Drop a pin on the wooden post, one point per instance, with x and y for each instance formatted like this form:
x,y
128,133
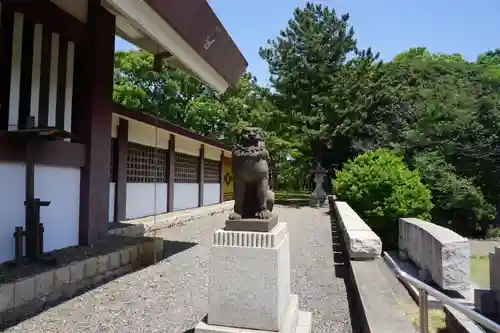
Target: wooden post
x,y
221,171
92,120
201,174
121,150
171,173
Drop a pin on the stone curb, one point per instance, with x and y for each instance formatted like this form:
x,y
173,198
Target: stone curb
x,y
148,226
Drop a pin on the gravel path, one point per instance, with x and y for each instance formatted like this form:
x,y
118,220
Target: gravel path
x,y
171,296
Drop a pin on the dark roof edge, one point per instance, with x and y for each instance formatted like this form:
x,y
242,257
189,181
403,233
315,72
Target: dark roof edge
x,y
149,119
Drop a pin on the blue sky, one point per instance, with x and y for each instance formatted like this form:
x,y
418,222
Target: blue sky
x,y
388,26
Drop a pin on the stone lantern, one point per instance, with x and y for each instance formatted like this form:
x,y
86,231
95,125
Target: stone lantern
x,y
318,196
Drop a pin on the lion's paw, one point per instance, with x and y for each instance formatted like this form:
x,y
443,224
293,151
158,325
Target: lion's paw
x,y
234,216
265,214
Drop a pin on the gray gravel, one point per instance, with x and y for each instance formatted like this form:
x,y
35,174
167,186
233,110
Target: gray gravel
x,y
171,296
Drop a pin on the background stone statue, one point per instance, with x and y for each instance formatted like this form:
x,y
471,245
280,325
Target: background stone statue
x,y
252,197
318,196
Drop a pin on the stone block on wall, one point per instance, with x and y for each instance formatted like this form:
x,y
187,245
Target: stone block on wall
x,y
360,240
495,270
441,251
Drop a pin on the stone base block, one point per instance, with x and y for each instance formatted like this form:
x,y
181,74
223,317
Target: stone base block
x,y
317,202
250,278
257,225
484,302
295,321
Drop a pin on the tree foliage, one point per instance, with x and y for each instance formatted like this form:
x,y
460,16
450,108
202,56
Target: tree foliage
x,y
459,204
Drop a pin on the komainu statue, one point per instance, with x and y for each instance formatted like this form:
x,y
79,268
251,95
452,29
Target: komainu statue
x,y
252,197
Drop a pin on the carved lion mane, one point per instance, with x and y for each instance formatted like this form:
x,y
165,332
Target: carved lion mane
x,y
251,144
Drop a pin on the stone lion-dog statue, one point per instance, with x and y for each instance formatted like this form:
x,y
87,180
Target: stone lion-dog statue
x,y
252,197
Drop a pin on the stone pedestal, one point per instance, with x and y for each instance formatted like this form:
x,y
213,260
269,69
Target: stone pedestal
x,y
249,288
317,201
259,225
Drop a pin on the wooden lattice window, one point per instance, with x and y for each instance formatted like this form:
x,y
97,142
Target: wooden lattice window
x,y
186,168
211,171
146,164
112,161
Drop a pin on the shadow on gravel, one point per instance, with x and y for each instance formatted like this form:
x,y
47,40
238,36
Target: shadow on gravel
x,y
342,270
171,248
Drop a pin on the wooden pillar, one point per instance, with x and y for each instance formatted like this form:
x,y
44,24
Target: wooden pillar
x,y
221,171
121,171
201,175
171,173
92,120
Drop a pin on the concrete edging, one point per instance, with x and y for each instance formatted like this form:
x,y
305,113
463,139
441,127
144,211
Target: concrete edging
x,y
371,297
374,300
457,322
148,226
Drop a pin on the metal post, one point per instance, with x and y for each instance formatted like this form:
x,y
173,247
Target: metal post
x,y
423,311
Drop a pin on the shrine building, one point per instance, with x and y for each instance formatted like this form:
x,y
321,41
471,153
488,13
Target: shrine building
x,y
71,157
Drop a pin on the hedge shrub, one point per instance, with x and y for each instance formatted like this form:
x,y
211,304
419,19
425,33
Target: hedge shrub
x,y
381,188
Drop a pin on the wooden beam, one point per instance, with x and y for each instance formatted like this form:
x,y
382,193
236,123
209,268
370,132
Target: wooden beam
x,y
221,176
121,171
171,173
201,175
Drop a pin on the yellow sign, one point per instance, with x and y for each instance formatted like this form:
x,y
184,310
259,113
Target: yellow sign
x,y
228,183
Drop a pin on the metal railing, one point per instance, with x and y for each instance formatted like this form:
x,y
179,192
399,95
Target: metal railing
x,y
424,290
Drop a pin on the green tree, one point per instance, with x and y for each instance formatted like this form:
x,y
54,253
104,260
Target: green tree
x,y
304,62
459,203
380,188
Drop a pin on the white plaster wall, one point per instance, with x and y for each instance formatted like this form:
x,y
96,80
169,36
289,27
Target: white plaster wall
x,y
211,194
141,198
60,185
212,153
145,134
185,195
12,195
187,146
112,187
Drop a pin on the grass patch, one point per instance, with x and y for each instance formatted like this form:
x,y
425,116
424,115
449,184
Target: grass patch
x,y
296,199
480,270
437,322
286,195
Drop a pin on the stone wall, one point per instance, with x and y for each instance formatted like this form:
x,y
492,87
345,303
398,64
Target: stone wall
x,y
361,242
438,251
29,295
